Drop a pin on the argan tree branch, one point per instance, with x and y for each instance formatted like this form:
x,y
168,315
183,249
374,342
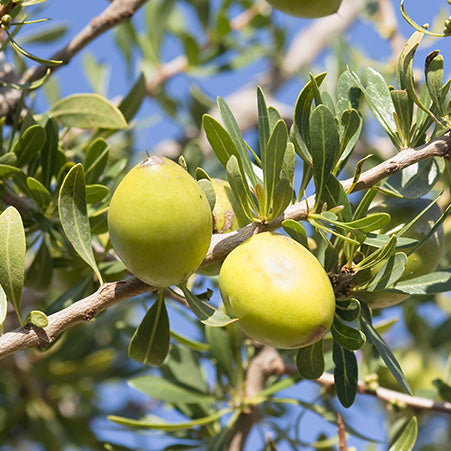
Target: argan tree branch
x,y
118,11
392,396
112,293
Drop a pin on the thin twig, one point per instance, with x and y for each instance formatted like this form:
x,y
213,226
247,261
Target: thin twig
x,y
342,445
392,396
221,245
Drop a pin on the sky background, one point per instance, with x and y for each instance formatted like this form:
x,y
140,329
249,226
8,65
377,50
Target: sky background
x,y
157,127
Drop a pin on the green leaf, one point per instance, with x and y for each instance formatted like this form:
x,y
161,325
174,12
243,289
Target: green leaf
x,y
301,119
346,336
96,160
416,180
74,217
131,103
37,318
168,427
282,197
324,146
348,309
29,144
207,187
205,312
373,337
12,257
351,124
150,342
39,192
378,98
166,391
406,436
345,374
273,161
335,195
310,361
434,79
432,283
263,123
389,273
7,171
88,111
219,139
44,35
96,193
49,152
231,126
296,231
403,107
239,188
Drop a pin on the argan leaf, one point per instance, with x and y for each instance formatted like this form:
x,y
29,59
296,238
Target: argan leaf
x,y
406,436
96,160
346,336
12,256
74,217
150,342
432,283
234,131
263,123
96,193
88,111
373,337
39,273
348,309
324,146
38,192
272,163
37,318
169,427
207,187
310,361
345,374
205,312
296,231
29,144
49,152
164,390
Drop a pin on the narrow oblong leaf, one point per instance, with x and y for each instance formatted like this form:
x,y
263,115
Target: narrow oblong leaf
x,y
432,283
373,337
324,146
74,217
296,231
49,152
239,188
232,127
273,161
39,273
164,390
406,436
29,144
96,160
164,426
345,374
348,309
346,336
205,312
12,256
263,123
150,342
310,361
39,192
88,111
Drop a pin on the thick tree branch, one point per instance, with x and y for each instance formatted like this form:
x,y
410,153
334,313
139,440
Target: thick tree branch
x,y
221,245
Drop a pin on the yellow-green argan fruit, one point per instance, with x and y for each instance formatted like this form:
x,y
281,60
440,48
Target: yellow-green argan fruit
x,y
227,217
160,222
278,290
424,259
309,9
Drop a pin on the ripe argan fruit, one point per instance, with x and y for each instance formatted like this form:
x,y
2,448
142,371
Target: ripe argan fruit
x,y
309,9
160,222
278,290
424,259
